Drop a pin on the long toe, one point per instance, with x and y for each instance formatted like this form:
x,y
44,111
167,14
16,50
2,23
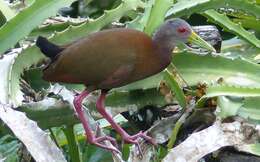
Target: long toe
x,y
133,139
107,138
99,141
145,137
113,149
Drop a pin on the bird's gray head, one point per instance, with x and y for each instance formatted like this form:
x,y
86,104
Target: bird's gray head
x,y
174,31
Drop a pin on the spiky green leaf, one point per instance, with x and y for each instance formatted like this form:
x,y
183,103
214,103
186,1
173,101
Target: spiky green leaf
x,y
230,26
32,55
209,69
25,21
175,88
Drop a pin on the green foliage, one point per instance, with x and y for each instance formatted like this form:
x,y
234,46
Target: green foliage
x,y
95,154
243,107
250,23
225,90
173,84
23,23
57,113
73,148
210,69
157,14
32,55
254,148
9,148
6,11
2,19
232,76
187,7
47,30
236,29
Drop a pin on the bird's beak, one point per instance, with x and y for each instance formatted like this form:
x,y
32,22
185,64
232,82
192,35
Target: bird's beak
x,y
196,39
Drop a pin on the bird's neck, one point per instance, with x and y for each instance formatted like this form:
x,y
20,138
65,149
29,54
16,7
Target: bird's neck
x,y
164,45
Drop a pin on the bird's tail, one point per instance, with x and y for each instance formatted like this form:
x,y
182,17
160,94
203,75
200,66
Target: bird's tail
x,y
47,48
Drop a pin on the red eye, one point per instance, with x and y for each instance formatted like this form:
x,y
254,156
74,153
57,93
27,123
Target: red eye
x,y
182,30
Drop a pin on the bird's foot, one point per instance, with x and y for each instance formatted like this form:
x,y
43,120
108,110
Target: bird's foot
x,y
134,139
99,141
92,138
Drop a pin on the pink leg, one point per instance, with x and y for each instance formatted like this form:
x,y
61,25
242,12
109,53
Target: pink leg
x,y
126,137
91,137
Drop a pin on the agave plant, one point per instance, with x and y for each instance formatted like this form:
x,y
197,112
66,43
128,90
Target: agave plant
x,y
38,116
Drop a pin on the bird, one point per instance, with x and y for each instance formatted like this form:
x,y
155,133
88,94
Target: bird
x,y
113,58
